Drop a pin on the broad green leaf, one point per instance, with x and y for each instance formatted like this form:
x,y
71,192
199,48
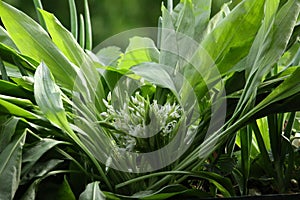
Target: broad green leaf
x,y
7,130
109,56
64,40
32,155
156,74
269,45
31,192
69,46
64,191
24,103
168,43
11,56
139,50
38,170
10,167
225,44
38,44
202,11
185,22
92,192
48,97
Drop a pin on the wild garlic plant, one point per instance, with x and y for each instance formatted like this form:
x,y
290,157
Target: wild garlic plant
x,y
139,119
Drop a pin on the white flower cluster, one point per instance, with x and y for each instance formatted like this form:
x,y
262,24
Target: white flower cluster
x,y
139,118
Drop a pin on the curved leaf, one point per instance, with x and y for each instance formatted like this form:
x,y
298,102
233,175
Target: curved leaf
x,y
92,192
10,167
38,44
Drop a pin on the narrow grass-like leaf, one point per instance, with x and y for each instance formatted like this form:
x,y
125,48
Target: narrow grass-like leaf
x,y
74,20
246,144
10,167
223,184
168,45
263,149
10,108
38,5
88,26
82,32
3,71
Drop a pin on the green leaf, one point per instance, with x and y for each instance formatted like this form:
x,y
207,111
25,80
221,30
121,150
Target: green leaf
x,y
32,155
48,96
24,103
38,5
156,74
186,20
73,17
10,108
12,56
7,130
225,44
38,170
168,43
65,192
11,89
3,71
139,50
109,56
5,39
202,11
170,191
64,40
38,44
88,26
268,46
81,31
92,192
31,192
69,46
10,167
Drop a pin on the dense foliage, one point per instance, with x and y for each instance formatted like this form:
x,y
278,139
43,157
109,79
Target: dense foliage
x,y
221,81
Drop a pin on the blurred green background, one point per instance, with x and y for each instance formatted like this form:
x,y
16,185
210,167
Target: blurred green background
x,y
109,17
